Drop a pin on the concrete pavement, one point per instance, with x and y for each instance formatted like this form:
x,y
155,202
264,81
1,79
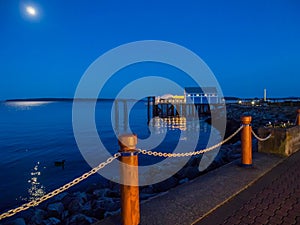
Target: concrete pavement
x,y
199,201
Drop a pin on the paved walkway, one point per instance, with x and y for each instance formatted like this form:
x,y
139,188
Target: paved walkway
x,y
273,199
199,201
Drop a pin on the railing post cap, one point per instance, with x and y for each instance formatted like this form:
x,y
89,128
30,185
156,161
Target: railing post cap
x,y
246,119
128,141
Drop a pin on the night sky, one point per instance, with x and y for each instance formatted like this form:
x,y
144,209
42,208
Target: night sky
x,y
248,45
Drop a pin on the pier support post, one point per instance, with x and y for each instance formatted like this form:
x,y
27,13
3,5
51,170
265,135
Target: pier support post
x,y
117,115
298,118
149,109
130,205
246,139
126,119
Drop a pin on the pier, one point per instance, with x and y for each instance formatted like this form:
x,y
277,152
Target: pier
x,y
166,108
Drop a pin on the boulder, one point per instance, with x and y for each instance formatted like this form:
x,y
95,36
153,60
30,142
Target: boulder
x,y
144,196
82,196
59,197
80,219
38,216
87,208
55,209
51,221
75,206
107,204
191,172
113,194
99,193
18,221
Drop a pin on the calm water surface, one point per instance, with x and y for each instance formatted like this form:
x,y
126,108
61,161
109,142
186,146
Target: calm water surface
x,y
33,135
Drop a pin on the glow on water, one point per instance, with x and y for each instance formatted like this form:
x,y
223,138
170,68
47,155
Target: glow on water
x,y
36,189
24,104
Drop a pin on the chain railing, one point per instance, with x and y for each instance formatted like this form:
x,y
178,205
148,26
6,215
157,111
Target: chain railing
x,y
59,190
164,154
259,138
110,160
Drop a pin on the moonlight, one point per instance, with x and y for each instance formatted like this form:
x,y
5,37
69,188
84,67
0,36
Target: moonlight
x,y
31,11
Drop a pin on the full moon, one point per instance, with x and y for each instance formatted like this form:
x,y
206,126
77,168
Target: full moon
x,y
31,11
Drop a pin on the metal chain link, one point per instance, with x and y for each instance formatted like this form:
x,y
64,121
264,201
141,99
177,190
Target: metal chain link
x,y
261,139
59,190
164,154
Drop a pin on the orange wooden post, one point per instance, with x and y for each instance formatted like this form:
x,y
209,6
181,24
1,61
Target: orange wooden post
x,y
246,138
298,118
130,205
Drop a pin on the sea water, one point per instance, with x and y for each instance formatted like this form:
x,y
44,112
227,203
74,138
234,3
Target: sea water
x,y
35,135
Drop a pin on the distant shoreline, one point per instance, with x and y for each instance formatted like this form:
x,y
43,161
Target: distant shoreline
x,y
61,99
228,100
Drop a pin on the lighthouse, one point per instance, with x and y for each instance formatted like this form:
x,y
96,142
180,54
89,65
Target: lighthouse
x,y
265,95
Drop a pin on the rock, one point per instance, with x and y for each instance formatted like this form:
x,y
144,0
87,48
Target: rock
x,y
81,195
59,197
98,213
66,200
98,193
87,209
108,214
51,221
191,172
92,187
38,216
18,221
185,180
147,189
55,209
237,144
165,185
80,219
113,194
65,215
75,206
194,161
144,196
107,204
75,202
180,174
233,157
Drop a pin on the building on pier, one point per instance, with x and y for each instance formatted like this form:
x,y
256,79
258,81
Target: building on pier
x,y
197,95
169,98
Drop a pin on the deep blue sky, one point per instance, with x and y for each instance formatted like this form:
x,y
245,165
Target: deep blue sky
x,y
249,45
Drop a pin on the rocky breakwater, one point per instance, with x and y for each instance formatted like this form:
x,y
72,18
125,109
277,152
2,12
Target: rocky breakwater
x,y
77,208
263,115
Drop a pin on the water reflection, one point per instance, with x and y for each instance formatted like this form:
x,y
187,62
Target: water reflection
x,y
25,105
170,123
36,189
162,125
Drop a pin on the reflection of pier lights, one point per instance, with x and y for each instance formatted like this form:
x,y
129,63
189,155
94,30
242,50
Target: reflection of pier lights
x,y
169,123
